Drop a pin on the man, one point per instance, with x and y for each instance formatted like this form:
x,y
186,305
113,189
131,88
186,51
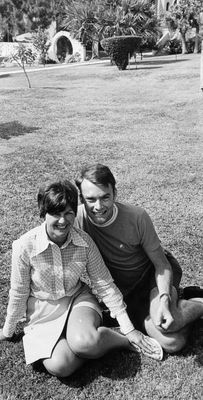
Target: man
x,y
131,249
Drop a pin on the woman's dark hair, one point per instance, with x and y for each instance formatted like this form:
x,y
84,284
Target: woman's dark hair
x,y
54,197
98,174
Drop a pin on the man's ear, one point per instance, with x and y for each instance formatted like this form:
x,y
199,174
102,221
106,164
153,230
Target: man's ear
x,y
115,194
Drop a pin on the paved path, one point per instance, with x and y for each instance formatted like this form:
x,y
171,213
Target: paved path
x,y
10,70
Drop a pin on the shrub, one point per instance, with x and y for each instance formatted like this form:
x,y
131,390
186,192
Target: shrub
x,y
175,46
72,58
121,48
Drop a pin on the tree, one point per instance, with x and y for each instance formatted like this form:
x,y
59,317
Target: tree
x,y
23,56
41,42
132,17
196,8
183,16
81,21
39,12
8,19
20,16
92,20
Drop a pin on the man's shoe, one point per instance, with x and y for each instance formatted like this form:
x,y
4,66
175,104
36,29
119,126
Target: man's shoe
x,y
192,291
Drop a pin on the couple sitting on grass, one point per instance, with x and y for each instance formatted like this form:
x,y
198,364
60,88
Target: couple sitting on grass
x,y
130,274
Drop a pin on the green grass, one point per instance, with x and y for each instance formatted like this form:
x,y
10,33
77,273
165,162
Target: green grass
x,y
147,125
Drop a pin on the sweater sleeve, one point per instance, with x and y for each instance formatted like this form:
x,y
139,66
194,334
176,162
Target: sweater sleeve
x,y
149,239
19,288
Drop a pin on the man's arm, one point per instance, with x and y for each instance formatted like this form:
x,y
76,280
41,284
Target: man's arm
x,y
164,281
163,271
108,292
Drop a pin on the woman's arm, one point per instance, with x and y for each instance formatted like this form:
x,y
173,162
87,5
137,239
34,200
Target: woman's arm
x,y
19,289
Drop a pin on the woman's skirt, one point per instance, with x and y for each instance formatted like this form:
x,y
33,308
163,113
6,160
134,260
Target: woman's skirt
x,y
46,320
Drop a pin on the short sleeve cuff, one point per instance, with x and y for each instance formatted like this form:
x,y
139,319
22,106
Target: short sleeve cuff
x,y
7,331
125,323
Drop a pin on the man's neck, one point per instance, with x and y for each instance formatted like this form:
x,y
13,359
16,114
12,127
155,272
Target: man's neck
x,y
110,221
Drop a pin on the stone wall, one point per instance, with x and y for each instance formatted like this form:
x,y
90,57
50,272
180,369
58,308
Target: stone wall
x,y
9,48
72,46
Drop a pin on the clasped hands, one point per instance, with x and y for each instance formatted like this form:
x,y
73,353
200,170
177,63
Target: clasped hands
x,y
164,318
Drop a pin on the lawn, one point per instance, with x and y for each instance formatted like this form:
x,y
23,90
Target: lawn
x,y
146,123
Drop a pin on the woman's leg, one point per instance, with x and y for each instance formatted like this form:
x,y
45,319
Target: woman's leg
x,y
63,362
87,338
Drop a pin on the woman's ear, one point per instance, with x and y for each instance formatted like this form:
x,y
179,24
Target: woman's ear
x,y
81,198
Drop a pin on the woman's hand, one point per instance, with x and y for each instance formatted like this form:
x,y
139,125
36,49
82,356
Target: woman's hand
x,y
145,344
2,336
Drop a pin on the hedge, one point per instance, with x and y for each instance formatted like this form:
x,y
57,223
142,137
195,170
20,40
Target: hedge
x,y
121,48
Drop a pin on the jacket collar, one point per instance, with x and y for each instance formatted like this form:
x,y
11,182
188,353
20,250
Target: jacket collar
x,y
43,241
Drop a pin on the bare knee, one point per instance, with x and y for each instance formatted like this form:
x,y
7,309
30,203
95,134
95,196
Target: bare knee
x,y
56,367
84,344
173,343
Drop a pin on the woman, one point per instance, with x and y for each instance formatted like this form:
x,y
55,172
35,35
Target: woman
x,y
63,318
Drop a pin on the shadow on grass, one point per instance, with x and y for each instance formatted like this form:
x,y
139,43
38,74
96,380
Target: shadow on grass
x,y
14,128
17,337
150,62
117,365
5,76
196,341
154,64
53,87
138,67
194,344
161,62
133,66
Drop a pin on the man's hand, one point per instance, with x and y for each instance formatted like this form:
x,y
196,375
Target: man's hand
x,y
164,318
144,344
2,336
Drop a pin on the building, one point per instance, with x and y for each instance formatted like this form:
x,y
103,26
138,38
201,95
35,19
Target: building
x,y
163,5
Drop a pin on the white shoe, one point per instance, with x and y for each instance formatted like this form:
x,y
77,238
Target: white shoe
x,y
158,353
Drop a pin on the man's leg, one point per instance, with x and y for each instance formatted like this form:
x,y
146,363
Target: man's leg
x,y
184,313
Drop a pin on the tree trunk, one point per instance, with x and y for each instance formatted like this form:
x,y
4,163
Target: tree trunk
x,y
183,40
196,48
95,49
201,67
27,77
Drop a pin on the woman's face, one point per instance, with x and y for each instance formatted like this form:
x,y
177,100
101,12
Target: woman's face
x,y
58,225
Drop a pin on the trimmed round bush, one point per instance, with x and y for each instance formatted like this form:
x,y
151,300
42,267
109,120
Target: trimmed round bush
x,y
121,48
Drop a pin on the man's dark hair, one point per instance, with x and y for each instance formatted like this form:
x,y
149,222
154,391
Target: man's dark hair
x,y
54,197
97,174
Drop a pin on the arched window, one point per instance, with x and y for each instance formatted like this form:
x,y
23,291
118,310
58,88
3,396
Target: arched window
x,y
167,5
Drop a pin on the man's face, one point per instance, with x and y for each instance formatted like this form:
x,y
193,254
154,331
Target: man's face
x,y
98,201
58,225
